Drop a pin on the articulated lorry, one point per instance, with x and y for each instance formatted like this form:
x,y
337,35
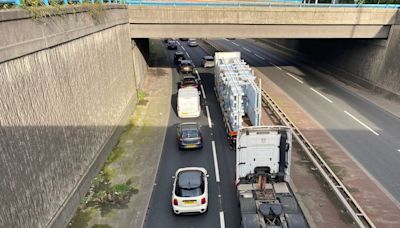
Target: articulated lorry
x,y
263,153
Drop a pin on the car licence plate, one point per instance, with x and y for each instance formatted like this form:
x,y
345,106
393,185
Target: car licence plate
x,y
189,202
190,146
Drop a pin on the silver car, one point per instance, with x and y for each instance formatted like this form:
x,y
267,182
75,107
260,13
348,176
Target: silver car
x,y
192,43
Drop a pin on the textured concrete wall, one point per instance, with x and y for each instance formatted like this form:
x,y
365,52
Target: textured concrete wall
x,y
61,107
373,64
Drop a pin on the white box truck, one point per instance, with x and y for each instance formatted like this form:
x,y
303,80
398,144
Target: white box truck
x,y
188,102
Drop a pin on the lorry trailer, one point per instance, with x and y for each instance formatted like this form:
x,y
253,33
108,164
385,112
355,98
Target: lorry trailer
x,y
237,93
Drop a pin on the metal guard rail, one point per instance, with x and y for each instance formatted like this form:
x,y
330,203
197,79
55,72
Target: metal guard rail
x,y
357,213
268,3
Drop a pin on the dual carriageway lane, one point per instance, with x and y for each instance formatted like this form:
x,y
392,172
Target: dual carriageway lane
x,y
223,210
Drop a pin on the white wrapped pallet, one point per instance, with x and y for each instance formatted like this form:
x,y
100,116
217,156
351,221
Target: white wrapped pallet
x,y
236,90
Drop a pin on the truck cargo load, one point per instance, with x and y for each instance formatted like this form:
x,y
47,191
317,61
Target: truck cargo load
x,y
237,92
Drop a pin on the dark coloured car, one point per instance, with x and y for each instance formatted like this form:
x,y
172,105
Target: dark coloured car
x,y
186,66
172,44
184,39
189,136
188,80
178,56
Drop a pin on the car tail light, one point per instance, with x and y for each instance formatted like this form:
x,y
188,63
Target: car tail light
x,y
203,200
175,202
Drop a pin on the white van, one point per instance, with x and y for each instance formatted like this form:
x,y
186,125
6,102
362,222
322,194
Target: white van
x,y
188,102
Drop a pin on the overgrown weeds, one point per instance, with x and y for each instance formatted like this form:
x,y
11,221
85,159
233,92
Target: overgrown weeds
x,y
38,10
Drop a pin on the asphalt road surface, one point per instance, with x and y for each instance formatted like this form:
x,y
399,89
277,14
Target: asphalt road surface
x,y
223,208
368,133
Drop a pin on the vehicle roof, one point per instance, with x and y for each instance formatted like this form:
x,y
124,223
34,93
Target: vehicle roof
x,y
188,76
189,126
178,53
186,61
190,179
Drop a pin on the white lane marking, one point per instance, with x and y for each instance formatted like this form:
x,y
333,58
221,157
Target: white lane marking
x,y
275,65
236,44
398,150
359,121
247,49
202,92
215,161
188,55
183,48
179,43
259,57
295,78
208,117
221,219
197,73
321,95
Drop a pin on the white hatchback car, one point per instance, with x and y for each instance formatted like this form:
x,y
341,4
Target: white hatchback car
x,y
190,190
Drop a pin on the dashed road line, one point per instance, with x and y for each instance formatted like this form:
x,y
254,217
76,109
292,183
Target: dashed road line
x,y
275,65
208,117
187,55
183,48
221,219
236,44
259,57
295,78
215,161
359,121
321,95
202,92
197,73
398,150
247,49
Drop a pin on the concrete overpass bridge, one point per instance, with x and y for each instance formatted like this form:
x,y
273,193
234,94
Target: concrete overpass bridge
x,y
278,21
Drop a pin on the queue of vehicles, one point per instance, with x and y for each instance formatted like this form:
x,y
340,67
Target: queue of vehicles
x,y
263,153
190,186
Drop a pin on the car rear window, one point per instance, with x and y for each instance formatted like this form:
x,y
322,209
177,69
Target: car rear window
x,y
190,132
189,80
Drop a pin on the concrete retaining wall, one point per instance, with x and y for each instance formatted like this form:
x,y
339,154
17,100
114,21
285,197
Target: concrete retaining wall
x,y
373,64
63,103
